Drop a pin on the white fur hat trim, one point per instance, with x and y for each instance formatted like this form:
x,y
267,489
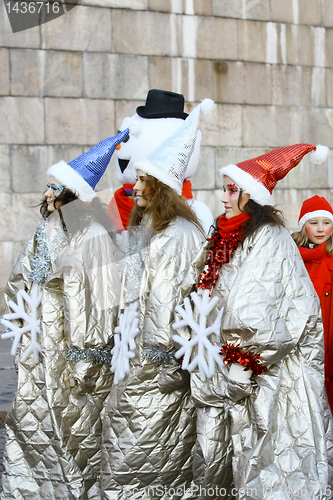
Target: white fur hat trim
x,y
69,178
150,169
312,215
248,184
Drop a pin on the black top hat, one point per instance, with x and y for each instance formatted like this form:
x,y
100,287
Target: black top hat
x,y
163,104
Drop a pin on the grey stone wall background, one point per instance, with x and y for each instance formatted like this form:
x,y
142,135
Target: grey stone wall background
x,y
69,83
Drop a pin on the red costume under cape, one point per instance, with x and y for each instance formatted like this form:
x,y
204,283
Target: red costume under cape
x,y
122,203
320,268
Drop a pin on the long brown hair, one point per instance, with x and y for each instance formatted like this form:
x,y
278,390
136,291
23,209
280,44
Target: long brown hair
x,y
302,240
163,207
78,214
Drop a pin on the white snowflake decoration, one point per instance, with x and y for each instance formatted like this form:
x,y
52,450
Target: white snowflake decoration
x,y
31,323
124,343
208,355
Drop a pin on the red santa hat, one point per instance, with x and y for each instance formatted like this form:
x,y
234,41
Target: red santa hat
x,y
317,206
258,176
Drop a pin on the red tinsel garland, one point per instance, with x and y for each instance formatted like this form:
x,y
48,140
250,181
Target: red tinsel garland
x,y
219,254
248,359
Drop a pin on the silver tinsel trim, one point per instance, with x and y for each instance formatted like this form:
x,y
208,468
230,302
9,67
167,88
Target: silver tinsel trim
x,y
98,356
159,356
46,253
138,242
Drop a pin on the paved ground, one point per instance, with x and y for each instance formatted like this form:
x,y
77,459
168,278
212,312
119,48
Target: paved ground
x,y
8,383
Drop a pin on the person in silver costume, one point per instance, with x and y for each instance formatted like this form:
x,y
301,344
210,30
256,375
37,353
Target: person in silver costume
x,y
264,428
62,303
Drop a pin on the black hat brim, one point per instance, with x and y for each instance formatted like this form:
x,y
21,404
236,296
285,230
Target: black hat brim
x,y
165,114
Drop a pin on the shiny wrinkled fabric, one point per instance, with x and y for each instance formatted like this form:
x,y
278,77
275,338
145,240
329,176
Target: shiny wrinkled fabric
x,y
53,430
149,423
271,438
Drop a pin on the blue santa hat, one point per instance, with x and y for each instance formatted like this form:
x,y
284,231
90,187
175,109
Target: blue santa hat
x,y
82,174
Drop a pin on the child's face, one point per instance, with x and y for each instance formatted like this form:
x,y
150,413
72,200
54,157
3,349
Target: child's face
x,y
318,229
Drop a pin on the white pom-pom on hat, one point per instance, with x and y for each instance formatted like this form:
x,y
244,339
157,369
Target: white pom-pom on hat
x,y
207,106
319,155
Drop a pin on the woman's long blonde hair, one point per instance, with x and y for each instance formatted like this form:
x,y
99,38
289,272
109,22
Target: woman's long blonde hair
x,y
163,207
301,239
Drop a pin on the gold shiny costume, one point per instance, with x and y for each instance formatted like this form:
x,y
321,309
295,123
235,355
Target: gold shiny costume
x,y
53,429
149,424
270,438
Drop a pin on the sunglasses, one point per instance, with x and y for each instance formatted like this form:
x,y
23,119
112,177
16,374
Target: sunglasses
x,y
54,187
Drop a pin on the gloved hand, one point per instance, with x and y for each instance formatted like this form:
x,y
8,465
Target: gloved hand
x,y
238,374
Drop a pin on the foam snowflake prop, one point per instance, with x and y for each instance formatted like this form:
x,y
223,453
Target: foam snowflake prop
x,y
31,323
208,355
124,343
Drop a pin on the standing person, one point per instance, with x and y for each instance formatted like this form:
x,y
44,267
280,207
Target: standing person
x,y
64,291
149,423
315,244
261,405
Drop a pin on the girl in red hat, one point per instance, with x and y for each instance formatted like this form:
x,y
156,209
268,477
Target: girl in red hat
x,y
255,350
315,244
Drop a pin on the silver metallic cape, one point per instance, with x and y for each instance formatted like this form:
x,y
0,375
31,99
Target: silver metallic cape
x,y
272,438
53,429
149,424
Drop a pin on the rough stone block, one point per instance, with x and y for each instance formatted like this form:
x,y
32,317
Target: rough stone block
x,y
17,249
271,126
83,29
139,32
306,46
310,12
327,13
6,258
212,200
26,72
126,108
248,9
291,85
122,4
5,169
284,11
4,74
30,164
197,7
63,74
217,38
328,47
19,220
287,48
317,126
115,76
24,120
204,176
193,78
223,127
227,156
238,82
252,41
78,121
329,85
26,39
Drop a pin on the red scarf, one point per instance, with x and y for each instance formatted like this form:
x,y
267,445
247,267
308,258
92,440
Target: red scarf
x,y
122,203
223,243
121,206
318,265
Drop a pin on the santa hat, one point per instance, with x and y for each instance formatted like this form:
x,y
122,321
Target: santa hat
x,y
317,206
82,174
258,176
168,162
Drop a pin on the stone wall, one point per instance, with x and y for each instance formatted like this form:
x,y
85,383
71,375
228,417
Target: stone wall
x,y
69,83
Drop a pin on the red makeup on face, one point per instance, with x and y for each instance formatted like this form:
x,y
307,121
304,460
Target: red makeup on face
x,y
318,229
230,198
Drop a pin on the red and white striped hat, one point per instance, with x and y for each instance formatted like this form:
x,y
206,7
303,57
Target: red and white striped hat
x,y
317,206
